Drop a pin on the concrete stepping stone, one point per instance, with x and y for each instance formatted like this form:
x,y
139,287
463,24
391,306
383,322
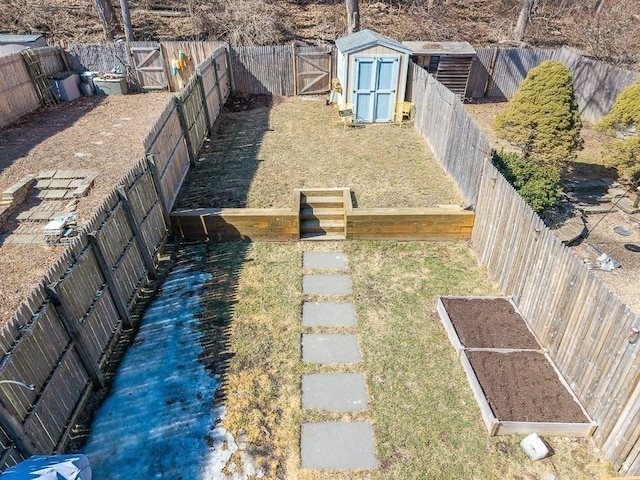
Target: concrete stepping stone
x,y
328,314
342,392
337,446
330,348
324,260
322,284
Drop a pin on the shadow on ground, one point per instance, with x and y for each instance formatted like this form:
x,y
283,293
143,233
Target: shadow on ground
x,y
228,162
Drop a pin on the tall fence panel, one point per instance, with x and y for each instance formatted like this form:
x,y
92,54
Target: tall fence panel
x,y
195,114
511,67
442,120
98,57
596,83
51,59
17,94
263,70
166,143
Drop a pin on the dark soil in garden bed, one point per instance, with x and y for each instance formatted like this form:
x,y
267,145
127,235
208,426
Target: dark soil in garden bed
x,y
524,387
489,323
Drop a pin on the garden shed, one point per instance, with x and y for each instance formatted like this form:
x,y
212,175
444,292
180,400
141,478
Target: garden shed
x,y
372,72
449,62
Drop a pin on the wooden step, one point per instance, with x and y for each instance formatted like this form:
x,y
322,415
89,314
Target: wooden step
x,y
321,202
319,226
322,213
322,236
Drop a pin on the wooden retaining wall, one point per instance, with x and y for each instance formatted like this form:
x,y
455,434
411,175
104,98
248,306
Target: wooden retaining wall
x,y
283,224
62,335
224,224
409,224
584,326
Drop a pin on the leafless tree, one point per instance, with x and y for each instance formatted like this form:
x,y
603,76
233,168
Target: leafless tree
x,y
107,18
353,16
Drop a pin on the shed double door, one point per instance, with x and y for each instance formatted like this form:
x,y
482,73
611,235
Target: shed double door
x,y
375,87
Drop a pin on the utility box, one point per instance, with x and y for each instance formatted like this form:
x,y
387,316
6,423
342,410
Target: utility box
x,y
65,86
112,85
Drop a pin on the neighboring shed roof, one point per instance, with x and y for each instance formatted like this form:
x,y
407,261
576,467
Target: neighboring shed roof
x,y
9,38
367,38
440,48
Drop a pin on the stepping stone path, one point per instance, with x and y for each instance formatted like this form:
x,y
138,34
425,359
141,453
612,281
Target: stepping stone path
x,y
332,445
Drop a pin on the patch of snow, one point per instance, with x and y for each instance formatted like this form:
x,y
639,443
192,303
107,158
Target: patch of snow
x,y
159,420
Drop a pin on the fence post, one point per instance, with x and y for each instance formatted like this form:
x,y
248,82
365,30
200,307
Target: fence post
x,y
185,130
295,68
16,432
137,234
72,328
204,102
231,77
492,67
155,175
215,71
119,302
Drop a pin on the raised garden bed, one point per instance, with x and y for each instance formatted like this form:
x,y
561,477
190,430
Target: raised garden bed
x,y
517,386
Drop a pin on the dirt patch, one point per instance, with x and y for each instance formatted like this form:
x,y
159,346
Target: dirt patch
x,y
523,387
103,134
489,323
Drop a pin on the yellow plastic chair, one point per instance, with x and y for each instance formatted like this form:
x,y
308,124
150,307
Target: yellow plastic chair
x,y
403,112
346,114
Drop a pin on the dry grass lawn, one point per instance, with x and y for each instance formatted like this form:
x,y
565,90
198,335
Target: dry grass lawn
x,y
426,421
259,156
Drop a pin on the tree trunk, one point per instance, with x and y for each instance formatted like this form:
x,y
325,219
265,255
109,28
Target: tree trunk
x,y
108,18
126,20
523,19
353,16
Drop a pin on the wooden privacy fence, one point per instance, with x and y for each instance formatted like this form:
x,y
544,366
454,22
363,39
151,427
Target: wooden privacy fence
x,y
176,137
18,95
284,70
61,337
452,135
498,73
575,316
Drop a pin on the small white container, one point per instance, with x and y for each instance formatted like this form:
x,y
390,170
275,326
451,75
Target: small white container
x,y
534,447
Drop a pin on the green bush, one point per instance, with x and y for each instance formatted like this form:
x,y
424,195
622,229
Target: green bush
x,y
542,118
623,123
538,185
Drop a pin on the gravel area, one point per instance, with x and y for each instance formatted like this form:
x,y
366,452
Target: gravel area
x,y
102,134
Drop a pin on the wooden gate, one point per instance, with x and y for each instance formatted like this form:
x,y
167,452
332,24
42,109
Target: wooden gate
x,y
149,64
313,70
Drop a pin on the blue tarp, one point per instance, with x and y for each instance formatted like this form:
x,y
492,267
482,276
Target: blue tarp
x,y
50,467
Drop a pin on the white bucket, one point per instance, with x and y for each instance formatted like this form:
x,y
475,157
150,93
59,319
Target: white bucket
x,y
534,447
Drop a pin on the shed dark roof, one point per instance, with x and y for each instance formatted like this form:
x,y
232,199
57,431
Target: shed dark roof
x,y
367,38
10,38
440,48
